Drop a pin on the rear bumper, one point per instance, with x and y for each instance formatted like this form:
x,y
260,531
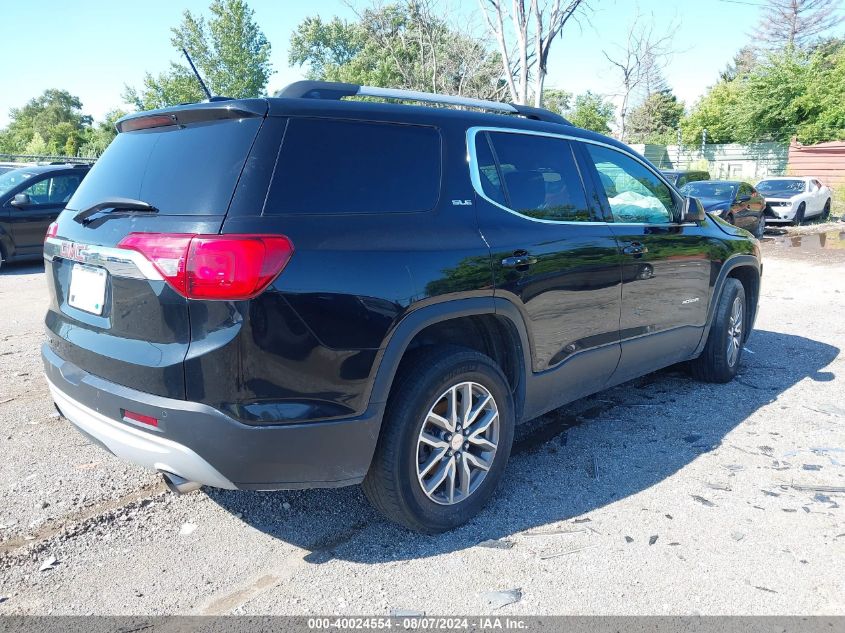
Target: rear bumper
x,y
199,443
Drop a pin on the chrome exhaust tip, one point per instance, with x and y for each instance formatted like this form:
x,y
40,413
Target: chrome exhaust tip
x,y
178,485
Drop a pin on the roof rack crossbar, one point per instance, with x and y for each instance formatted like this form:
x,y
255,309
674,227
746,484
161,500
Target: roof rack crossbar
x,y
336,90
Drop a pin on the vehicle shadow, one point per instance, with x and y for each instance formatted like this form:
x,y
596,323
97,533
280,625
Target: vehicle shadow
x,y
564,464
21,268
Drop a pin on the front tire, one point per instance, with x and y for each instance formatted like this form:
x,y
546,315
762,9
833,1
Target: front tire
x,y
760,230
722,354
445,439
799,215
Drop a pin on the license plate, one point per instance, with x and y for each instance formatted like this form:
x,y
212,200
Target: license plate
x,y
87,288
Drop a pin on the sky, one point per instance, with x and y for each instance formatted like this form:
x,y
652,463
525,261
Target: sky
x,y
93,48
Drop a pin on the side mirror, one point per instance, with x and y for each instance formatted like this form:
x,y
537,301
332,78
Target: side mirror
x,y
21,200
692,211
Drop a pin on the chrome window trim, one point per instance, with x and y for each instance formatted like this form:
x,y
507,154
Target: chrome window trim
x,y
475,178
120,262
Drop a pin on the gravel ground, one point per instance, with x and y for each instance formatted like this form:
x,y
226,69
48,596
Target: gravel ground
x,y
661,496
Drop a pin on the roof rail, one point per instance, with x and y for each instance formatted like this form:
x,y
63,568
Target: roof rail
x,y
337,90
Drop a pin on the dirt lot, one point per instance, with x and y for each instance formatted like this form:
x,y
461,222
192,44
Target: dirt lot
x,y
661,496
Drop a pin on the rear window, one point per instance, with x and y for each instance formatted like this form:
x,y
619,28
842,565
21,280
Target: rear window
x,y
183,170
331,166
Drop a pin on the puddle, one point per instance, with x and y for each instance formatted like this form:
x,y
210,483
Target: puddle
x,y
811,242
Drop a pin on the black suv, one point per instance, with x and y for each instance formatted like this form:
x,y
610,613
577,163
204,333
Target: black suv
x,y
30,199
306,291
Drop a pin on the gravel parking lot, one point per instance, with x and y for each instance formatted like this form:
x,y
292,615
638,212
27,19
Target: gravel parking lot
x,y
661,496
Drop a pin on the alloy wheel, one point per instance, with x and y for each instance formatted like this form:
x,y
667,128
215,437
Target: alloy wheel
x,y
735,324
457,443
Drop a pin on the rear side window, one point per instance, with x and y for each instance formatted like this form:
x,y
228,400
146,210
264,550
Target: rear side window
x,y
537,176
332,166
181,170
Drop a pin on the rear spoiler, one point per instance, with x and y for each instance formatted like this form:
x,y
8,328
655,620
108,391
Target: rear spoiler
x,y
193,113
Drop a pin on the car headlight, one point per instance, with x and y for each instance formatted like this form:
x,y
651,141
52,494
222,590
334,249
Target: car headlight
x,y
719,210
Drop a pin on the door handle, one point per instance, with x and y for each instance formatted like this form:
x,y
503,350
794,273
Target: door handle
x,y
635,248
517,261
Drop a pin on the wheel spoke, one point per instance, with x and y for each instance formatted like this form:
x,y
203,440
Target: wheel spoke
x,y
453,407
452,472
466,402
473,416
481,442
438,477
439,420
433,441
485,423
436,457
476,461
466,477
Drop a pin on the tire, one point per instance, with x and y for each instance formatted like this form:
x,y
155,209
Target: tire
x,y
730,220
799,215
719,362
394,483
760,229
825,216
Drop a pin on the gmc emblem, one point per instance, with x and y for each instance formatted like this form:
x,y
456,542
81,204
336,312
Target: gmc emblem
x,y
72,250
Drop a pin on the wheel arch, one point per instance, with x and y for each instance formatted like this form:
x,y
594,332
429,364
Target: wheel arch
x,y
491,325
748,270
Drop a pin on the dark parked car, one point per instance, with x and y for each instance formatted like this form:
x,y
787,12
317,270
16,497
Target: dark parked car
x,y
680,177
307,291
30,199
737,203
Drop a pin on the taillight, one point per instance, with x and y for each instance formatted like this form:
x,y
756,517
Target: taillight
x,y
224,267
52,230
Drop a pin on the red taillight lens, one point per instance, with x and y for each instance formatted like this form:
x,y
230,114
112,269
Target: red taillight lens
x,y
52,230
225,267
167,252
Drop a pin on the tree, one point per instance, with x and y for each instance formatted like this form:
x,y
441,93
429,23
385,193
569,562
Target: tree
x,y
534,29
656,119
743,63
403,45
229,50
797,23
101,135
591,112
556,100
52,123
640,61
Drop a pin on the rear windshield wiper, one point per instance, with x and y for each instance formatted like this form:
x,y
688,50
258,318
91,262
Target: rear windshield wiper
x,y
114,204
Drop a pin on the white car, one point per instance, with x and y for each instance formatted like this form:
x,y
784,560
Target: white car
x,y
794,199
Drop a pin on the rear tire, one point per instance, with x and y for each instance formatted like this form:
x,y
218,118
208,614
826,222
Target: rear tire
x,y
415,446
722,354
825,216
799,215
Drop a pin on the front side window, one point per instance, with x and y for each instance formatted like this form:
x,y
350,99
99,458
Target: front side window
x,y
635,193
329,166
536,176
55,190
745,190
